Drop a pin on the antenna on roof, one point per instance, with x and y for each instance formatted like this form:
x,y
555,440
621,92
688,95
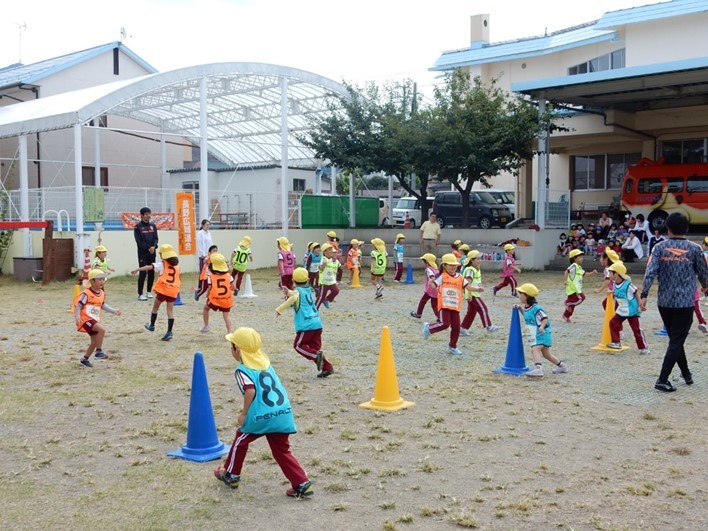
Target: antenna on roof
x,y
20,29
123,34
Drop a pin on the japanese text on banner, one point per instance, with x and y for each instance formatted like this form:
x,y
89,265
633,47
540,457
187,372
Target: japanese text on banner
x,y
186,229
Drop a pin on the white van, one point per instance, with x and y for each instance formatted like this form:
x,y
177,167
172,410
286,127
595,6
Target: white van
x,y
503,197
411,205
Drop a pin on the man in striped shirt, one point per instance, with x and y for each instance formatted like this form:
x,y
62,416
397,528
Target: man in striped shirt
x,y
675,263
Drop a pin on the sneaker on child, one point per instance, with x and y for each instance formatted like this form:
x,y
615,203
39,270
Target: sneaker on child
x,y
303,490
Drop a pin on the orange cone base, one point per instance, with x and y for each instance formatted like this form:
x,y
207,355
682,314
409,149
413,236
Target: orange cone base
x,y
605,348
387,406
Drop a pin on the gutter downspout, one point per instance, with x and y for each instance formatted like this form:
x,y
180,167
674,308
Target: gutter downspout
x,y
35,90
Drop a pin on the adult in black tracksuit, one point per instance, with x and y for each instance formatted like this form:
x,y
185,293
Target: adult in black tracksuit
x,y
146,237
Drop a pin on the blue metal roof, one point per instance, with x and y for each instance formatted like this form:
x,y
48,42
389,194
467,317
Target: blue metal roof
x,y
634,15
18,74
589,33
523,48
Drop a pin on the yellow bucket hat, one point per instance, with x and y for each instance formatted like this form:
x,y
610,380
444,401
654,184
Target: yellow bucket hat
x,y
379,244
245,242
612,255
471,256
165,247
449,259
354,242
97,273
218,263
168,253
509,247
284,243
300,275
249,343
464,248
529,289
400,236
331,234
325,247
575,252
457,242
429,258
620,269
100,249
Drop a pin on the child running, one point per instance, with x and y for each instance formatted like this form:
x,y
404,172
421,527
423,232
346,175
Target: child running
x,y
539,327
353,259
475,304
398,251
220,295
204,274
239,261
430,290
329,265
166,287
378,265
100,260
308,325
266,411
455,249
509,267
313,264
627,309
286,263
574,283
88,315
450,285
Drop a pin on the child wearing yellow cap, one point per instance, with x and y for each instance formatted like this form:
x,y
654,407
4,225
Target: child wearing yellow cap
x,y
220,294
312,264
509,267
475,305
329,266
607,258
539,327
87,315
286,263
379,257
450,285
333,240
430,290
308,325
353,258
166,287
266,411
204,273
627,308
100,260
398,252
240,257
573,277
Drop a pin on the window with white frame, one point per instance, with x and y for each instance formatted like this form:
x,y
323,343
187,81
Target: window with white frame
x,y
608,61
600,172
298,185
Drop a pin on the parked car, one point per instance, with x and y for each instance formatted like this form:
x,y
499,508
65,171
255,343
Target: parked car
x,y
484,211
383,212
503,197
412,206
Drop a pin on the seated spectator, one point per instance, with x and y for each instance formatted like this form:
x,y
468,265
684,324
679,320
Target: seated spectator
x,y
622,232
573,230
562,242
600,248
599,234
615,246
629,221
654,239
590,245
580,230
612,233
642,229
632,249
605,222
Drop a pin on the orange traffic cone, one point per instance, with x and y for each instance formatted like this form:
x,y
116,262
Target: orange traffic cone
x,y
87,264
606,336
386,396
355,278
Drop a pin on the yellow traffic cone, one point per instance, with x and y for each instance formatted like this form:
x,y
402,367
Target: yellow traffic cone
x,y
606,335
72,307
386,395
355,278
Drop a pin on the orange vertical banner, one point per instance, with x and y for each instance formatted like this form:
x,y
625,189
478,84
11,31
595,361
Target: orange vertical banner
x,y
186,229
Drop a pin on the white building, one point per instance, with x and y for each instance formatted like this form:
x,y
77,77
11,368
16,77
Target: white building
x,y
632,84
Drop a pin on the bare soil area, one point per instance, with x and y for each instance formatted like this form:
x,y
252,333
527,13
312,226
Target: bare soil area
x,y
596,448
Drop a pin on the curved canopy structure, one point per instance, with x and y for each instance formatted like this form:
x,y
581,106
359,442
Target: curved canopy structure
x,y
243,108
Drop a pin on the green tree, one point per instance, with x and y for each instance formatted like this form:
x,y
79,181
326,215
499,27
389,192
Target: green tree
x,y
482,131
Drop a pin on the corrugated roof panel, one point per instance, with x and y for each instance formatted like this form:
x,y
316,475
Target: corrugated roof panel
x,y
646,13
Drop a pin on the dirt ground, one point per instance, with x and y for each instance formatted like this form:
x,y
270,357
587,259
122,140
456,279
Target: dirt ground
x,y
597,448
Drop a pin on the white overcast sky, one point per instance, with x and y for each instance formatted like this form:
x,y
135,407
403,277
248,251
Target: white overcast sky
x,y
366,40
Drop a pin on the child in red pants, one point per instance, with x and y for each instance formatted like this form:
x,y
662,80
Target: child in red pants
x,y
451,286
509,267
627,308
266,411
574,283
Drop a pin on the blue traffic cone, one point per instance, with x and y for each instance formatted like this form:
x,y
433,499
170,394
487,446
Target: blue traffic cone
x,y
203,443
515,363
178,300
662,332
409,275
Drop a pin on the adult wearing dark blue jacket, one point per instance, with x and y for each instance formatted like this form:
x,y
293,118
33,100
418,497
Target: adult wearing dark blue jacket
x,y
145,233
675,263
